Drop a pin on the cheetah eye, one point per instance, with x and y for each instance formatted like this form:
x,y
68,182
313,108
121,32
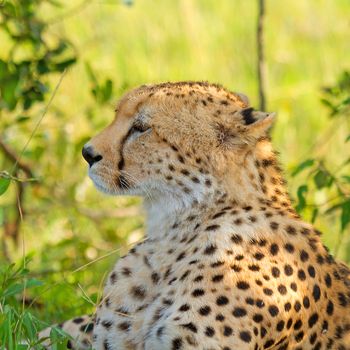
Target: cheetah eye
x,y
138,128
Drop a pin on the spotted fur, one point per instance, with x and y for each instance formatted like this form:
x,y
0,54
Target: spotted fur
x,y
226,262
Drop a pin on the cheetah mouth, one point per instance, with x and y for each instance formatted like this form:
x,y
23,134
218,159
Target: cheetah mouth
x,y
109,183
123,182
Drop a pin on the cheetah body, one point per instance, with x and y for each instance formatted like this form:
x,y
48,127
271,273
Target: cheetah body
x,y
226,262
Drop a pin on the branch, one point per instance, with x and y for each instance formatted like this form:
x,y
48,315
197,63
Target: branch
x,y
11,155
261,68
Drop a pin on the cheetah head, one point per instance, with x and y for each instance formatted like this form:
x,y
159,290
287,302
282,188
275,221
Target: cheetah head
x,y
175,140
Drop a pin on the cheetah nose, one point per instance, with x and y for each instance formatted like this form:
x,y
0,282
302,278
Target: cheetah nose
x,y
90,156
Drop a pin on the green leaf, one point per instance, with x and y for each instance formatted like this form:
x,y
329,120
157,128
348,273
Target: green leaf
x,y
19,287
347,139
22,119
107,91
58,339
345,102
91,73
8,92
305,164
55,3
345,215
302,191
61,66
3,69
321,179
314,215
4,185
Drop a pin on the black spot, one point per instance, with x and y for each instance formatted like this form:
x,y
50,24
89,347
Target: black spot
x,y
245,336
209,332
294,286
138,292
313,338
249,301
198,278
273,310
313,319
204,310
247,115
207,182
288,270
289,248
254,267
311,271
275,272
291,230
181,256
239,312
236,268
242,285
212,227
184,307
124,326
306,302
87,328
342,299
258,318
113,277
227,331
304,256
160,332
260,303
190,326
282,289
259,256
220,317
106,345
316,293
155,277
299,337
301,275
328,280
222,300
268,291
78,320
237,239
176,344
217,264
210,250
330,308
280,326
217,278
198,292
287,306
274,249
298,324
269,343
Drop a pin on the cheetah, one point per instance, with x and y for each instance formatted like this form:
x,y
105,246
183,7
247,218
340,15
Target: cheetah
x,y
226,262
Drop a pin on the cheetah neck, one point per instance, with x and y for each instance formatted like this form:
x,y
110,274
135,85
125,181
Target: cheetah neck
x,y
258,181
255,183
166,209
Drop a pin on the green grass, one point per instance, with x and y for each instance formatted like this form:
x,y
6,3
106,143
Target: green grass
x,y
164,40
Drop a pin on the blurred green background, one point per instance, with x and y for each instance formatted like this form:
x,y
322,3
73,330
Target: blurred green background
x,y
71,233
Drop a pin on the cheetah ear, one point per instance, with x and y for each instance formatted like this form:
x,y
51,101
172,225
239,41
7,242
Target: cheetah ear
x,y
256,123
243,98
